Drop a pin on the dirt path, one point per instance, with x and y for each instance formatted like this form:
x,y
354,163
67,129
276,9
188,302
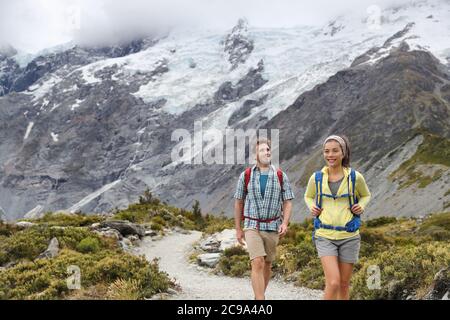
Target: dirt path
x,y
197,283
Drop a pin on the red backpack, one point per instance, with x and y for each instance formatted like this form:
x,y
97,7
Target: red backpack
x,y
246,182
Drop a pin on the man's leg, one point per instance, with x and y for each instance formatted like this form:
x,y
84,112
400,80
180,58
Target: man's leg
x,y
255,247
258,281
267,273
270,246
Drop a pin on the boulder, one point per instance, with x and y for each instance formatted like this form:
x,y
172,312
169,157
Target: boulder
x,y
25,224
227,239
133,238
109,233
219,242
208,259
125,244
52,250
441,286
124,227
210,244
95,225
151,233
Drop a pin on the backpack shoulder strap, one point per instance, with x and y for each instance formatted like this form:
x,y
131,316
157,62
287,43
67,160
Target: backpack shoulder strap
x,y
280,178
318,176
247,174
353,180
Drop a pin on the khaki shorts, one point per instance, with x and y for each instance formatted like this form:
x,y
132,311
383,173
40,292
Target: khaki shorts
x,y
261,244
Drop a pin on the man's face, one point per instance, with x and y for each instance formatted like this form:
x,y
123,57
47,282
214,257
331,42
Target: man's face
x,y
263,154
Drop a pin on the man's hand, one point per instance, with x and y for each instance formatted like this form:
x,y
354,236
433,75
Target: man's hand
x,y
283,229
315,211
240,236
357,209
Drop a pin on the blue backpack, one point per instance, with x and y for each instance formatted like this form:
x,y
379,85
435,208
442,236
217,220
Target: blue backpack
x,y
354,224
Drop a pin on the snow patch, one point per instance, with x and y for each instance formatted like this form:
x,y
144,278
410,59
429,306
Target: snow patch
x,y
54,136
28,131
41,88
55,106
77,104
92,196
35,213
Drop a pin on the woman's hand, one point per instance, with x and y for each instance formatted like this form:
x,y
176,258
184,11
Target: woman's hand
x,y
357,209
315,211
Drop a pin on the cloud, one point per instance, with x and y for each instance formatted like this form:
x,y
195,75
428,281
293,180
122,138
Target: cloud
x,y
32,25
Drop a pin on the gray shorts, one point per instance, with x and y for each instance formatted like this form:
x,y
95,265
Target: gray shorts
x,y
347,250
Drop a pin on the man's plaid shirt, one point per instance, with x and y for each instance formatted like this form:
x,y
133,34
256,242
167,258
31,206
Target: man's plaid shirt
x,y
256,206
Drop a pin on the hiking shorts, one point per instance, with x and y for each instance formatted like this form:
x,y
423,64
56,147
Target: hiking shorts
x,y
261,244
347,250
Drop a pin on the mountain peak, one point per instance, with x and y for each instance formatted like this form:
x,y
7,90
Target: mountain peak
x,y
238,45
7,50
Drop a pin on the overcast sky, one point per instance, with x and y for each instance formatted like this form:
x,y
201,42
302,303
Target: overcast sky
x,y
31,25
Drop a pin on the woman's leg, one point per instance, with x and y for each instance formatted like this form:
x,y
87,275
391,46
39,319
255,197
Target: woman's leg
x,y
332,277
345,270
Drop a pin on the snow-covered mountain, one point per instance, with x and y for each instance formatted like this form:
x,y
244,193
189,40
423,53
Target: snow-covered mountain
x,y
90,128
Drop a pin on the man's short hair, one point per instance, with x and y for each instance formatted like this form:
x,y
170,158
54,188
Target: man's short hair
x,y
263,141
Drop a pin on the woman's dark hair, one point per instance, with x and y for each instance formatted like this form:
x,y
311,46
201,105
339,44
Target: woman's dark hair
x,y
346,160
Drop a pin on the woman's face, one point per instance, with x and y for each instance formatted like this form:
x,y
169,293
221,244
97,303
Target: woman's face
x,y
332,153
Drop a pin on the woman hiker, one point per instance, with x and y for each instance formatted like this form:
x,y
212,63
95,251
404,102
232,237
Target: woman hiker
x,y
337,196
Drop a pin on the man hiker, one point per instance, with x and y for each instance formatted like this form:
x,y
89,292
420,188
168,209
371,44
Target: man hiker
x,y
263,201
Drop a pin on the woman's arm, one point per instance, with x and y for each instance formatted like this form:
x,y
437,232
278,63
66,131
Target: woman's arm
x,y
310,193
362,191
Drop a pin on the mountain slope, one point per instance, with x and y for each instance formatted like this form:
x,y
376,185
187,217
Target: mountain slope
x,y
90,129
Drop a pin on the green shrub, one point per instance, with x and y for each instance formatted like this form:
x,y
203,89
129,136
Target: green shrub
x,y
404,270
235,251
46,278
156,227
7,229
436,226
124,290
88,244
217,224
234,262
380,221
27,244
311,276
148,198
159,220
65,220
292,258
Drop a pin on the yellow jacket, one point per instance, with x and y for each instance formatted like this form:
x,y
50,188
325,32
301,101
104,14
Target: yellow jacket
x,y
336,212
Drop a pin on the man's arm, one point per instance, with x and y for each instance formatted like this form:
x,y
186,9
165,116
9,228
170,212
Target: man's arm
x,y
287,209
238,206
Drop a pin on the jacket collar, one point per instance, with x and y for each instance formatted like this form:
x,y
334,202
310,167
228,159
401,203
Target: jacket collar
x,y
346,171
